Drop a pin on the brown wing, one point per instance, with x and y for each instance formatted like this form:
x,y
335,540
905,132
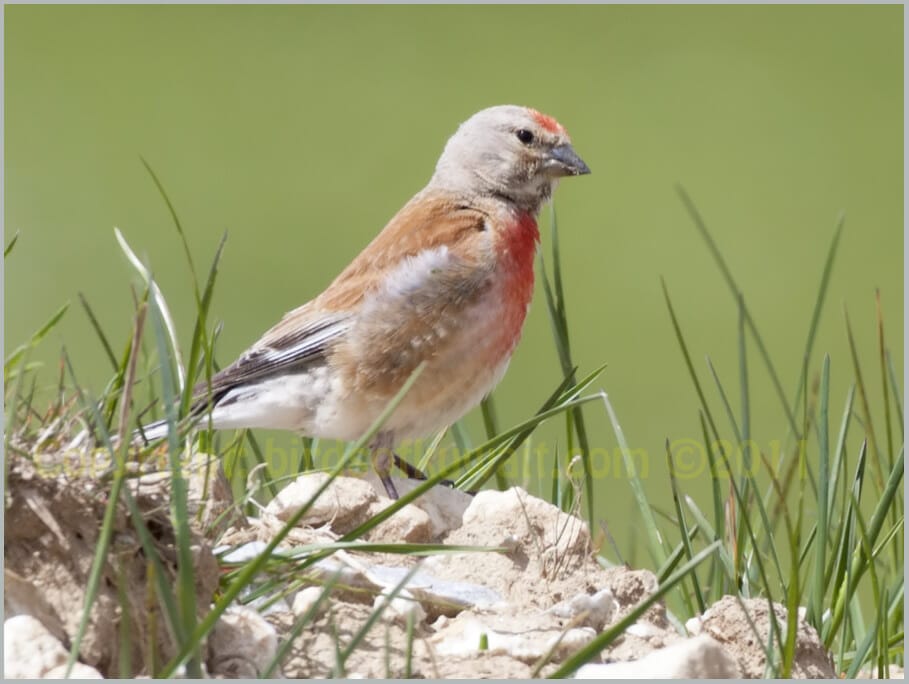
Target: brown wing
x,y
426,222
411,287
310,333
295,350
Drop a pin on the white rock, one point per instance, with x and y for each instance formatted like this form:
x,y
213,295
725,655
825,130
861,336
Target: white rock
x,y
437,596
79,671
697,658
510,542
444,506
644,630
528,517
463,637
600,608
242,644
344,500
241,554
30,651
402,608
410,524
306,599
693,626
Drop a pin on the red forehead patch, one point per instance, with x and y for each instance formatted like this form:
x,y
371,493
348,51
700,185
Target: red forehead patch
x,y
547,122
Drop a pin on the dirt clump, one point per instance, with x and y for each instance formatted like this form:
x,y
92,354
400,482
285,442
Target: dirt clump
x,y
51,529
528,597
726,621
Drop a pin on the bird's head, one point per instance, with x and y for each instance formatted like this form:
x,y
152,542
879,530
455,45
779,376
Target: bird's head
x,y
515,153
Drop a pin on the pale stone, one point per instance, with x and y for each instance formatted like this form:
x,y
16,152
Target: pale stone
x,y
408,525
697,658
30,651
79,671
242,644
341,505
594,610
306,599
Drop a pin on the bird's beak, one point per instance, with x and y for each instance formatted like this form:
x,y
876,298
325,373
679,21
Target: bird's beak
x,y
562,160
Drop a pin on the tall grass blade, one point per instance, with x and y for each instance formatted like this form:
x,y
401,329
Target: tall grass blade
x,y
179,494
861,558
96,326
839,452
816,606
491,424
177,224
876,465
654,538
734,288
555,304
882,352
686,541
820,299
895,392
200,339
500,450
16,355
9,246
160,304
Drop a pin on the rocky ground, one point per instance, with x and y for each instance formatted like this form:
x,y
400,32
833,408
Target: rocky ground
x,y
515,612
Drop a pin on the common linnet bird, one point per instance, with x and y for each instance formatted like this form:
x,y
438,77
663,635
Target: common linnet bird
x,y
448,281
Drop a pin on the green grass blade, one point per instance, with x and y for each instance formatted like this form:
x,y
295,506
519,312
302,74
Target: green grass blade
x,y
179,510
895,393
875,459
686,541
654,538
734,288
676,555
864,649
160,303
176,219
719,515
16,355
882,353
816,606
730,413
555,305
861,558
461,438
839,451
820,299
491,425
199,339
96,326
689,365
9,246
500,448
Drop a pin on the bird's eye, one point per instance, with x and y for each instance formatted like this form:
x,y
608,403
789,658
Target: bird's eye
x,y
524,136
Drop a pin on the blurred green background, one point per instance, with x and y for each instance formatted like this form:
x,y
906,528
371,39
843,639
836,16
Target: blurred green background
x,y
302,129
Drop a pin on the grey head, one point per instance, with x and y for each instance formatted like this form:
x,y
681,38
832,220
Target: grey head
x,y
514,153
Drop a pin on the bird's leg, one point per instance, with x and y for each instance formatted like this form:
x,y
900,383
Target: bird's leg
x,y
413,472
382,454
